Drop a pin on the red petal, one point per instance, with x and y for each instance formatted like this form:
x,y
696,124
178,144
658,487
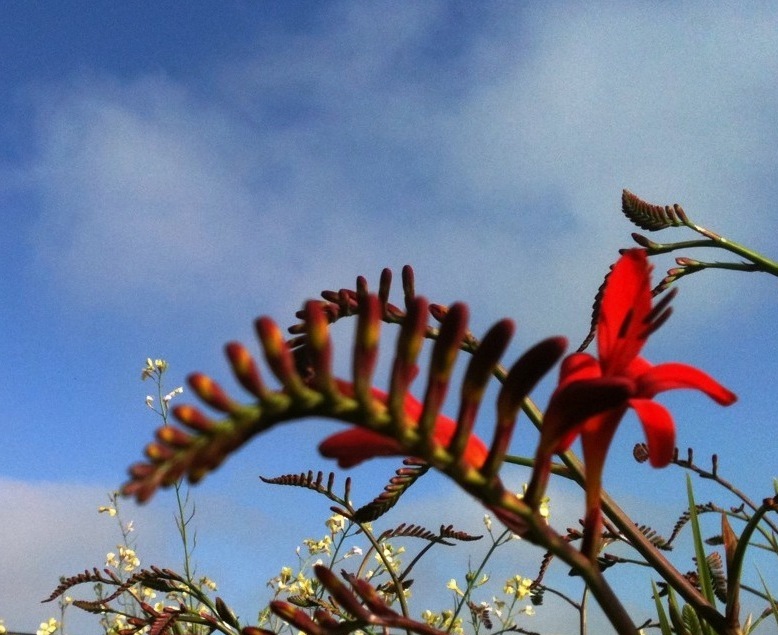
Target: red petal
x,y
475,451
659,429
596,439
575,404
673,375
578,366
626,303
356,445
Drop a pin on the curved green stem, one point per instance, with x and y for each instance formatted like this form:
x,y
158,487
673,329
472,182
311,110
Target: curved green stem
x,y
765,264
556,468
735,568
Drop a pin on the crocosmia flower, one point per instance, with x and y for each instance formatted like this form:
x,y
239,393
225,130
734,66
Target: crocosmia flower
x,y
627,316
355,445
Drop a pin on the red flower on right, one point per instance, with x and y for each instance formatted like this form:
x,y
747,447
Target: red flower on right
x,y
626,318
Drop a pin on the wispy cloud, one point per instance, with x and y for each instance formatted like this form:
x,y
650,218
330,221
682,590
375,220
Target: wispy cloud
x,y
51,529
322,155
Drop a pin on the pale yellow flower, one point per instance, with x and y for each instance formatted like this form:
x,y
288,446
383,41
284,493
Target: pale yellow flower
x,y
545,507
450,624
105,509
336,523
118,624
429,617
318,546
452,584
128,558
208,583
518,587
389,555
157,366
48,628
301,586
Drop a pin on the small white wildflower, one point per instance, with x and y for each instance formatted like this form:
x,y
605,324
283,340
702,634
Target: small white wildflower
x,y
354,551
488,522
150,401
172,394
104,509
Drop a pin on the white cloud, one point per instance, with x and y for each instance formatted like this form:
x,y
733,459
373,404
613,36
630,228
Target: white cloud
x,y
138,188
664,102
321,159
51,530
54,529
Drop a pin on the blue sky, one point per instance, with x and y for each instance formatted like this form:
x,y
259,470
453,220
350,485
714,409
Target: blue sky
x,y
167,174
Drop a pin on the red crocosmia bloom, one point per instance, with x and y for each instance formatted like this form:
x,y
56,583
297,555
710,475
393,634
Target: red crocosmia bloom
x,y
626,319
355,445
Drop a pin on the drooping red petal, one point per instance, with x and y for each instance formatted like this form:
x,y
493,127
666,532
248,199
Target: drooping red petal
x,y
355,445
626,303
672,376
659,430
596,437
475,450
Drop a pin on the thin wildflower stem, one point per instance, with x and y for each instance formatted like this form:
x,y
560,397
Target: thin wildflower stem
x,y
183,516
504,537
